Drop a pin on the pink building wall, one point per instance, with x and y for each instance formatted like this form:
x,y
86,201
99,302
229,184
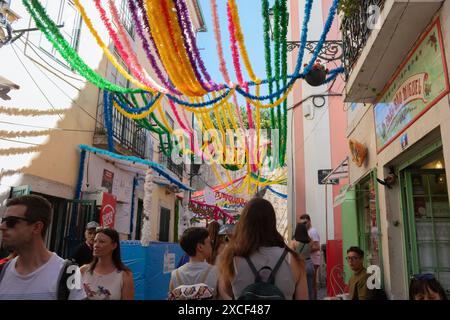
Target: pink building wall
x,y
338,121
299,160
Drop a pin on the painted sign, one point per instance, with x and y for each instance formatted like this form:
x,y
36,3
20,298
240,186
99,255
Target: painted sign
x,y
108,210
20,191
419,83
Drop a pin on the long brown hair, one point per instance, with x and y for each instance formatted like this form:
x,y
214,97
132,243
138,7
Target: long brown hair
x,y
117,261
256,228
213,230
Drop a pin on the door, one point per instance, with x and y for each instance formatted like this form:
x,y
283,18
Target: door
x,y
428,223
140,209
68,225
164,224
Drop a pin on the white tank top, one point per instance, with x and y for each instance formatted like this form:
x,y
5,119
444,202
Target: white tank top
x,y
265,256
103,287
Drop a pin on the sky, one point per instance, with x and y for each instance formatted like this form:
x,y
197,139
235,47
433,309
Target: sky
x,y
252,27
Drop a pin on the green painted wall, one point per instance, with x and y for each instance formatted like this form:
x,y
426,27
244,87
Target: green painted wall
x,y
349,227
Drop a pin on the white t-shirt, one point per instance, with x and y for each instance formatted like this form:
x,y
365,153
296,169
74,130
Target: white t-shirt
x,y
315,256
41,284
192,272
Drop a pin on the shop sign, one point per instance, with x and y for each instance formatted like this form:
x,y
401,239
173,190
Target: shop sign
x,y
322,174
419,83
107,180
108,210
20,191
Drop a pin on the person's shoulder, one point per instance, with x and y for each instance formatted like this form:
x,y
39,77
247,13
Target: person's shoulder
x,y
84,268
127,275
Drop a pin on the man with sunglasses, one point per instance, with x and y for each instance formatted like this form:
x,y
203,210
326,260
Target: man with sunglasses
x,y
36,273
357,284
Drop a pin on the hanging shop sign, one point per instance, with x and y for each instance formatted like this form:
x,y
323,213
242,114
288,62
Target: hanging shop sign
x,y
358,152
108,210
419,83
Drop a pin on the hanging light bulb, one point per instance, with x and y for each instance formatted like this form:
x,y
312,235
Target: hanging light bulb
x,y
439,165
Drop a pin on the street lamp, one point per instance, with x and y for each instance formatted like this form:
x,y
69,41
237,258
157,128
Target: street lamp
x,y
332,50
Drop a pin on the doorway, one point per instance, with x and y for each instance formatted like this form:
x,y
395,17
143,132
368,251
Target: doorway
x,y
427,217
164,224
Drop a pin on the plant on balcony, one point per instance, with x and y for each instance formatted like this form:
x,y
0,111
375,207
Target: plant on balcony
x,y
349,7
317,75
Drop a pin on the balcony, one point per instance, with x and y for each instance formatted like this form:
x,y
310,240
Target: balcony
x,y
177,169
376,42
129,138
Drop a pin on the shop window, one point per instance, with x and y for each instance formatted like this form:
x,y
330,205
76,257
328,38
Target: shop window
x,y
367,220
428,216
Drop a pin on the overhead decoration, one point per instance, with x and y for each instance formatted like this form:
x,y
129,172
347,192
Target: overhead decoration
x,y
7,173
210,212
17,134
10,111
183,83
16,151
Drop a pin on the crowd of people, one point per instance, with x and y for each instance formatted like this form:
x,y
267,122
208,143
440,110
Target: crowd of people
x,y
248,261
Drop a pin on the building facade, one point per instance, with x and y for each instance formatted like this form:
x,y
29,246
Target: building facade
x,y
316,138
398,109
40,150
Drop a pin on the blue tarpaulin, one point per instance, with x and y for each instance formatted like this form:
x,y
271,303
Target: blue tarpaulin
x,y
151,282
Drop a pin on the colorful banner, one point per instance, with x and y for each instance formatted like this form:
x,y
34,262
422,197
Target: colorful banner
x,y
108,210
419,83
209,212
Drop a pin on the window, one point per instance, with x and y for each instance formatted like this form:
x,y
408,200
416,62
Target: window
x,y
127,18
62,12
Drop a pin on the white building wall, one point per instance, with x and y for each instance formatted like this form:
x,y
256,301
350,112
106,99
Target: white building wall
x,y
316,133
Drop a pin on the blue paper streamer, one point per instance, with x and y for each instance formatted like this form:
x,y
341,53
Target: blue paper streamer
x,y
161,170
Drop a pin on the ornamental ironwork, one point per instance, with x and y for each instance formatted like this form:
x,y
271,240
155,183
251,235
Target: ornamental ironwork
x,y
356,29
332,50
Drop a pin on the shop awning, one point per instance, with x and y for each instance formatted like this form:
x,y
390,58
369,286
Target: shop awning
x,y
340,198
341,171
136,165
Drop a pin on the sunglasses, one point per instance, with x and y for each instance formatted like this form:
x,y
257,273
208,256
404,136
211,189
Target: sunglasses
x,y
422,276
11,221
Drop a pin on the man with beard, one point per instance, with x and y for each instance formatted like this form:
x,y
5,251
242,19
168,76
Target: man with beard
x,y
36,273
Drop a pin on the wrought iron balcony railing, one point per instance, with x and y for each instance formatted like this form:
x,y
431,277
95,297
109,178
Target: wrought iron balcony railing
x,y
356,29
178,169
129,134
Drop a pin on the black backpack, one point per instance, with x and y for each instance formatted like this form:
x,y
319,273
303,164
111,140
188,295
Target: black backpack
x,y
63,291
260,290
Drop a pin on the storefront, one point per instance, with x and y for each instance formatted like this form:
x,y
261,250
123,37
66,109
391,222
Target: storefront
x,y
412,143
361,221
426,213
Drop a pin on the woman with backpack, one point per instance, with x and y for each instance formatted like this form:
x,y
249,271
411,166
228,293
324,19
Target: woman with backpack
x,y
302,245
257,264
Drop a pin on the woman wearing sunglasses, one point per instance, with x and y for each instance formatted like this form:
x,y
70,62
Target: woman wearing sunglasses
x,y
425,287
107,278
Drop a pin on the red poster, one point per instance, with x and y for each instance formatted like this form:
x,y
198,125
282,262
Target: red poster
x,y
108,210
